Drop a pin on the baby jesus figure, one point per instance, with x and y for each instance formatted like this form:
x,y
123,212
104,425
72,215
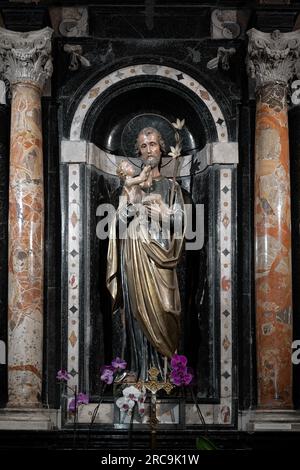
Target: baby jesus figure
x,y
133,184
134,187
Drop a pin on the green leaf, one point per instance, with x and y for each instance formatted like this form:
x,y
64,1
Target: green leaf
x,y
203,443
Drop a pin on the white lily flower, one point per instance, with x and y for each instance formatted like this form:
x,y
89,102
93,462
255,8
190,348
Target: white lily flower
x,y
178,124
175,151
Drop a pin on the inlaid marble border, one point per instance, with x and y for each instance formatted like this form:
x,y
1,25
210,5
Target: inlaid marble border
x,y
224,414
148,69
74,216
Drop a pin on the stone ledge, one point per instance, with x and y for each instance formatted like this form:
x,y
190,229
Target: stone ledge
x,y
29,419
274,420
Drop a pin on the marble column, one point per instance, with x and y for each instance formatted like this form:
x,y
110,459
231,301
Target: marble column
x,y
4,133
27,65
271,61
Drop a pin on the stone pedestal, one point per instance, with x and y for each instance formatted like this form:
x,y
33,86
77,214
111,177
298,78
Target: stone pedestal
x,y
274,420
29,419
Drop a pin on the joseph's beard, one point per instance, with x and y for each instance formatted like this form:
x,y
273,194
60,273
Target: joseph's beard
x,y
153,161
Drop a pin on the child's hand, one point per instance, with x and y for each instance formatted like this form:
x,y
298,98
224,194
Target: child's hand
x,y
145,172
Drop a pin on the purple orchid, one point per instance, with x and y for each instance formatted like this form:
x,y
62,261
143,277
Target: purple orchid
x,y
81,399
187,378
63,375
180,373
178,361
108,372
107,375
118,363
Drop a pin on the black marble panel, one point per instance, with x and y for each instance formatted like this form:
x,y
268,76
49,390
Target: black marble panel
x,y
202,338
102,189
149,21
52,253
245,260
22,18
294,122
105,125
270,19
235,295
64,184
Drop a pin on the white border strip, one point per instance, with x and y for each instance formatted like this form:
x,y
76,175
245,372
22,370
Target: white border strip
x,y
74,215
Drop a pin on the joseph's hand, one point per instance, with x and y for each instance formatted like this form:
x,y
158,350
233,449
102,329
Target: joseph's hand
x,y
158,211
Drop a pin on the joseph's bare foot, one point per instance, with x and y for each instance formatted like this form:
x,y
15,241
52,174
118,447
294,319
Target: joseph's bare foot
x,y
126,378
130,378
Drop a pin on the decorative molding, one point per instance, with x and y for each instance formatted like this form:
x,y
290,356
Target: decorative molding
x,y
26,56
69,21
224,24
21,419
74,22
272,56
295,86
222,58
2,92
24,1
2,352
274,420
139,70
74,151
86,152
76,56
219,153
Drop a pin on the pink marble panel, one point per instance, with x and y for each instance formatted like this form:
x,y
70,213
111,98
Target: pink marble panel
x,y
26,227
273,249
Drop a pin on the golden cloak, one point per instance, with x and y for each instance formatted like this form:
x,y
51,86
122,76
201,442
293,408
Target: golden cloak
x,y
151,278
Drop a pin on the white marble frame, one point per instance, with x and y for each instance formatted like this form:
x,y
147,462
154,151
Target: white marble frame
x,y
75,151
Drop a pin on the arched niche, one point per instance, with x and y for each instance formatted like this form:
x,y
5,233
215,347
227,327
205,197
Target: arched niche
x,y
89,158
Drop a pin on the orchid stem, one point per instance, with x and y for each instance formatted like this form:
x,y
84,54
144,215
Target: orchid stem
x,y
75,417
199,410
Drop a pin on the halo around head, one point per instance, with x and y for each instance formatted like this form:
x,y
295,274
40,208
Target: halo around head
x,y
136,124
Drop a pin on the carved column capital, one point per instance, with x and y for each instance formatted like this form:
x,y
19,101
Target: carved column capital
x,y
272,56
26,57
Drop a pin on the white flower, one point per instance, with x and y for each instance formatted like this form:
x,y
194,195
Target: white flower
x,y
132,393
178,124
131,396
141,401
125,404
175,151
